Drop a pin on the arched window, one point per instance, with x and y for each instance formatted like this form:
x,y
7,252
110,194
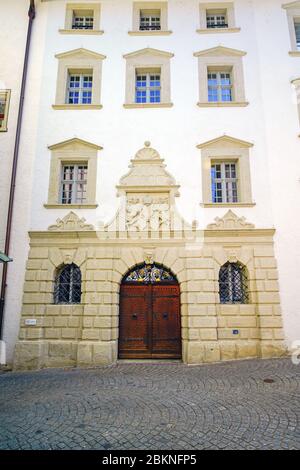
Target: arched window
x,y
233,284
68,285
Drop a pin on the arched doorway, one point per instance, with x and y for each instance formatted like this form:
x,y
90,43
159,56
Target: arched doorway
x,y
150,325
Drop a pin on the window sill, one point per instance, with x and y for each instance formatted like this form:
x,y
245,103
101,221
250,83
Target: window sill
x,y
218,30
294,53
71,206
227,204
229,104
89,32
147,105
150,33
77,106
3,129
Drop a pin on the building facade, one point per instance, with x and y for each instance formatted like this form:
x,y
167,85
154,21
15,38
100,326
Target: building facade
x,y
192,252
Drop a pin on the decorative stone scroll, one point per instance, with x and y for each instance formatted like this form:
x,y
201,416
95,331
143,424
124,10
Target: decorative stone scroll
x,y
230,221
147,213
71,222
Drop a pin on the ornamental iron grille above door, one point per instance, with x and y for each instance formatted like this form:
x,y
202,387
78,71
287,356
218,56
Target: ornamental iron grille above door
x,y
149,274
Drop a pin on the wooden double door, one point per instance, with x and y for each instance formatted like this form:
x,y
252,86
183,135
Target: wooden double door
x,y
150,324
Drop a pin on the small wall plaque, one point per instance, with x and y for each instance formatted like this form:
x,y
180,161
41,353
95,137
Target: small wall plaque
x,y
30,321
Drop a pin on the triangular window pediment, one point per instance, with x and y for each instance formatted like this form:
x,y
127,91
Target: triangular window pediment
x,y
219,51
80,54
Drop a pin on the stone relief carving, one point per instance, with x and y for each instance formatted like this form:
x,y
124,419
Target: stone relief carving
x,y
147,213
69,223
230,221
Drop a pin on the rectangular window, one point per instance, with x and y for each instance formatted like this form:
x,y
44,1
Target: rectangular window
x,y
80,88
148,87
219,86
297,32
224,182
4,104
150,20
216,19
83,19
74,184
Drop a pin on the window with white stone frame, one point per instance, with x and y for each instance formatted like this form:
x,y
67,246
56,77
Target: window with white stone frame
x,y
150,18
82,18
293,20
224,182
73,187
217,17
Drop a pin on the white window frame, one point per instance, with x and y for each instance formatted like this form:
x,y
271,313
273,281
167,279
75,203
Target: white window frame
x,y
150,8
215,14
82,10
81,89
293,16
148,88
218,9
227,191
220,87
150,18
83,19
75,182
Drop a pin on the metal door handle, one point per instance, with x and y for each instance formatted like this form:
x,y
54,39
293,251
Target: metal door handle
x,y
165,315
134,316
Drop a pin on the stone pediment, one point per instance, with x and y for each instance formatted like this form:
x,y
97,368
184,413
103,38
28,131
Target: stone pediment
x,y
225,141
289,5
148,51
230,221
71,222
147,174
80,53
219,51
74,144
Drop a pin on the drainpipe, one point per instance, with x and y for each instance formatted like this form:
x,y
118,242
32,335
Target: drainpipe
x,y
31,15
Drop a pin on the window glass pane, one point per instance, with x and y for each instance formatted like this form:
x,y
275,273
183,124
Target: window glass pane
x,y
150,20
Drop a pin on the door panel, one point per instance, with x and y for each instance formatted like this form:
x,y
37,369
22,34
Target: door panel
x,y
166,329
134,325
150,321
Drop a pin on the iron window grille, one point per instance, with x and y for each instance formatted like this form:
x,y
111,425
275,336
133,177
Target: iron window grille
x,y
219,86
224,182
148,87
216,20
297,33
150,20
74,184
233,284
80,89
67,288
149,274
81,21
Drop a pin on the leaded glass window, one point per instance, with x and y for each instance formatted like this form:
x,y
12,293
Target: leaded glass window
x,y
219,86
148,87
224,182
74,184
80,88
149,274
68,285
233,284
150,20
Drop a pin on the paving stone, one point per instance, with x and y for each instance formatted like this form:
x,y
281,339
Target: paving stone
x,y
153,406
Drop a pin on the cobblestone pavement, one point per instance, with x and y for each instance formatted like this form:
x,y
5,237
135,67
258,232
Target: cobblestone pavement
x,y
153,406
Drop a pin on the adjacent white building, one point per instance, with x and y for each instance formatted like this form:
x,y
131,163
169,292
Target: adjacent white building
x,y
211,88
